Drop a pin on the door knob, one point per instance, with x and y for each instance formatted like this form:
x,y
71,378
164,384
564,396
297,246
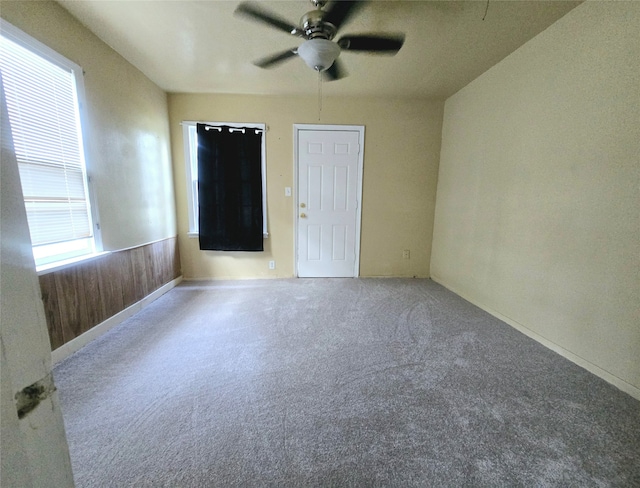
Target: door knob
x,y
302,205
303,215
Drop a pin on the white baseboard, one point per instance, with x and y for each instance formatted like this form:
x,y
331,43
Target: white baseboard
x,y
583,363
82,340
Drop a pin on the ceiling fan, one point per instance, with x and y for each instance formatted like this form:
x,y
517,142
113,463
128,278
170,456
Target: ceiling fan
x,y
318,28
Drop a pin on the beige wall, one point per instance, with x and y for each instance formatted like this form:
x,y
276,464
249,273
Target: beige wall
x,y
402,145
127,135
538,207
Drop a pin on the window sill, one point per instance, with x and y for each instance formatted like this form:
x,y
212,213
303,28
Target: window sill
x,y
67,263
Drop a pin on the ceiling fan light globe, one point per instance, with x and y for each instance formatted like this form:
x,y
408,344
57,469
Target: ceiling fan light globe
x,y
319,54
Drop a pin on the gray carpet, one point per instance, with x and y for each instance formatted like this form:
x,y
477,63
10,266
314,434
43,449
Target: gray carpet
x,y
336,382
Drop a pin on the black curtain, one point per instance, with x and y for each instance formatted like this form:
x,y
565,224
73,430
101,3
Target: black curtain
x,y
230,189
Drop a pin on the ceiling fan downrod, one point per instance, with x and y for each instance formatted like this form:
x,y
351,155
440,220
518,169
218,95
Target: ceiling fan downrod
x,y
318,3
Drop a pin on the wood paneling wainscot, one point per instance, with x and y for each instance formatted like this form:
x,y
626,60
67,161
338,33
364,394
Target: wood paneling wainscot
x,y
81,296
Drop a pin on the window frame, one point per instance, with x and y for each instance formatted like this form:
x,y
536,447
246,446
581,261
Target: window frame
x,y
191,169
82,248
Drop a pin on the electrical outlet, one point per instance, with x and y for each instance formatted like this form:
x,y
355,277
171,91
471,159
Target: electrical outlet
x,y
272,264
406,254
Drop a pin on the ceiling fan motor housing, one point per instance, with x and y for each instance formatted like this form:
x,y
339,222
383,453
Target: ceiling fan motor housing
x,y
314,26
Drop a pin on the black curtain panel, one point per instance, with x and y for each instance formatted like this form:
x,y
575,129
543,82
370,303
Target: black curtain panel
x,y
230,189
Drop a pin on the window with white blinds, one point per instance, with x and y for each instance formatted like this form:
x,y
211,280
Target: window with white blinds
x,y
41,90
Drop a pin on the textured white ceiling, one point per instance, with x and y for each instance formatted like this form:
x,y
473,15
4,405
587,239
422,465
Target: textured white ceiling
x,y
201,47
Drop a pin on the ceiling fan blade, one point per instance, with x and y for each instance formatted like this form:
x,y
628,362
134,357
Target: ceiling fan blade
x,y
339,11
388,44
275,59
335,72
259,14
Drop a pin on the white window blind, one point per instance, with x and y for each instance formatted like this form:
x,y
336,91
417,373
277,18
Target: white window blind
x,y
42,102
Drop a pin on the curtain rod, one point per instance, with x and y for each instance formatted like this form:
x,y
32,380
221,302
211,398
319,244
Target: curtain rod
x,y
219,127
232,129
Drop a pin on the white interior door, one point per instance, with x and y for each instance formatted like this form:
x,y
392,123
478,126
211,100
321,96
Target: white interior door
x,y
34,450
328,219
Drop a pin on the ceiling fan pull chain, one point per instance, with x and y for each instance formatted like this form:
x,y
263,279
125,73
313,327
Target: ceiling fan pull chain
x,y
319,94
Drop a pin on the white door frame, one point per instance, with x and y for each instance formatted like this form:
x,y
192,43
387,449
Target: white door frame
x,y
355,128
